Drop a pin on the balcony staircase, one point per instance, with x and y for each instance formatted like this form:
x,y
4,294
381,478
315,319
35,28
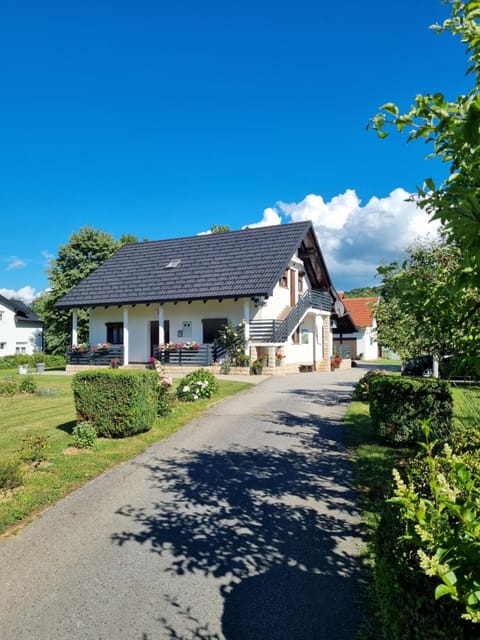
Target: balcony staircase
x,y
278,330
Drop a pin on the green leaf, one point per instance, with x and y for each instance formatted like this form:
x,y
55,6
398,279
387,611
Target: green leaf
x,y
391,108
442,590
450,578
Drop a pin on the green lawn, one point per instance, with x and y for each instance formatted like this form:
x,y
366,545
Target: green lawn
x,y
53,416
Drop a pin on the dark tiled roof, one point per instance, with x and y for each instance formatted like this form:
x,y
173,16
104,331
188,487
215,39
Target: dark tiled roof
x,y
22,312
226,265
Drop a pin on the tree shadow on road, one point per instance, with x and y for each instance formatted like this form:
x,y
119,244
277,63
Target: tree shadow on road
x,y
277,528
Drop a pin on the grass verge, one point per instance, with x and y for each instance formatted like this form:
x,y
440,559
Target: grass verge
x,y
62,469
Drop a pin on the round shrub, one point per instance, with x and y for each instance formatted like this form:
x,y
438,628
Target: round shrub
x,y
198,384
399,405
84,435
120,403
360,393
27,385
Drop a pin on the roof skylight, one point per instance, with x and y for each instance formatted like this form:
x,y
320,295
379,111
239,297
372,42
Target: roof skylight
x,y
172,264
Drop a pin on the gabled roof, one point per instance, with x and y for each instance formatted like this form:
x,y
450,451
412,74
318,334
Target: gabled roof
x,y
361,310
246,263
22,312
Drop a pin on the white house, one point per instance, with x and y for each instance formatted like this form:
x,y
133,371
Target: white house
x,y
151,295
362,343
21,331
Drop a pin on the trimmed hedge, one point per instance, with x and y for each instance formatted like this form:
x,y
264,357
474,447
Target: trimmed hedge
x,y
118,403
51,361
397,405
361,390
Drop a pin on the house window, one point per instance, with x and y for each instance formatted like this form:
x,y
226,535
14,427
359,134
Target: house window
x,y
114,332
284,280
300,282
296,336
212,327
1,316
3,345
21,347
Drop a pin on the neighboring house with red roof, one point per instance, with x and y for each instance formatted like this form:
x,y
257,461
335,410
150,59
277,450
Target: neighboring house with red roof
x,y
363,343
151,298
21,330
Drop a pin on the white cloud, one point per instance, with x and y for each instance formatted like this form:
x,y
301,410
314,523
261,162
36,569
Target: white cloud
x,y
16,263
270,217
47,256
27,294
356,239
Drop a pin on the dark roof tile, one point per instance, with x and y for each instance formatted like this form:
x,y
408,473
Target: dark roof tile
x,y
226,265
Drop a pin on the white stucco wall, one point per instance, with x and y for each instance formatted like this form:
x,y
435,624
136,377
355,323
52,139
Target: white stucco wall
x,y
280,297
21,338
140,316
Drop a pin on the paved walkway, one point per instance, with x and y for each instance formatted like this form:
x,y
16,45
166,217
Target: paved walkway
x,y
242,526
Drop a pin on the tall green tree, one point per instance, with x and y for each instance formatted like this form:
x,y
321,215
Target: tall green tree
x,y
85,250
452,130
415,314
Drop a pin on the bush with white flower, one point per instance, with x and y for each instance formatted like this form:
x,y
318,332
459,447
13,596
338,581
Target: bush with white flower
x,y
198,384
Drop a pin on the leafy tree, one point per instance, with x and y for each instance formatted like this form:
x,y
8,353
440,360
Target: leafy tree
x,y
363,292
85,250
415,314
452,129
219,228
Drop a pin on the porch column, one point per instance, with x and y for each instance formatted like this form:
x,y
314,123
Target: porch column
x,y
74,327
246,317
327,339
125,336
161,328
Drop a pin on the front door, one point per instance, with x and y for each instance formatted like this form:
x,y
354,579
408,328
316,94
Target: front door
x,y
154,334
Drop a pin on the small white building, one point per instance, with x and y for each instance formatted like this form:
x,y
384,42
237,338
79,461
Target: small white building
x,y
21,330
363,343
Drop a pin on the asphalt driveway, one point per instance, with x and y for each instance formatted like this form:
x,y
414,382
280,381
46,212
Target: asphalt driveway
x,y
241,526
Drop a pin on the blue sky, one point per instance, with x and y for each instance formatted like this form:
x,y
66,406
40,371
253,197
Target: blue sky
x,y
161,119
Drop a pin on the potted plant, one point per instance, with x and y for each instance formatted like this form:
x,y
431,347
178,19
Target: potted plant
x,y
279,356
115,363
258,364
336,361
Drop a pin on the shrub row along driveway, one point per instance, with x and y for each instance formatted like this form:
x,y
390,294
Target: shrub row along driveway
x,y
241,525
